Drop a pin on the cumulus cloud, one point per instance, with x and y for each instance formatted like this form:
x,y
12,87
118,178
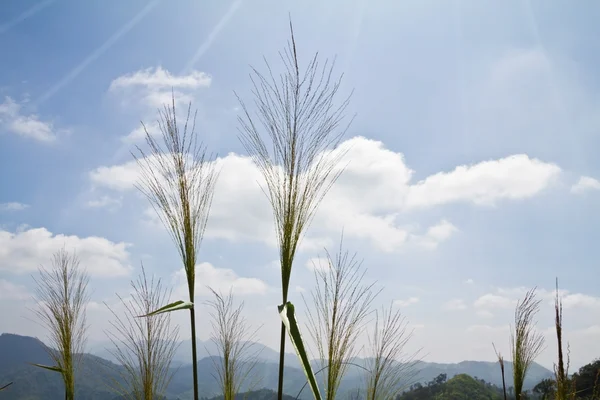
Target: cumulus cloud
x,y
369,200
13,206
24,251
154,87
14,120
406,302
585,184
220,280
485,183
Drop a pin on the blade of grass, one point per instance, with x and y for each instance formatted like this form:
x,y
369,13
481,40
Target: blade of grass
x,y
288,317
177,305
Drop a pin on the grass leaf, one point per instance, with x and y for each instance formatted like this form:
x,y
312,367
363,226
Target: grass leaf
x,y
177,305
286,312
55,369
5,386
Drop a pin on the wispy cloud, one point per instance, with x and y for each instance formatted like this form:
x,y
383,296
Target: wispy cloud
x,y
159,78
13,206
585,184
13,119
406,302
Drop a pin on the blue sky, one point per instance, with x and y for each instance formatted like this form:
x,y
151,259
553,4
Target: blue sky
x,y
472,176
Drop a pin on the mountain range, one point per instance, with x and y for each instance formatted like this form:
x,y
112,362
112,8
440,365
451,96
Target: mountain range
x,y
98,371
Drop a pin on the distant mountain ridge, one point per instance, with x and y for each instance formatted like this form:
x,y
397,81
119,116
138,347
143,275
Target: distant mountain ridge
x,y
96,373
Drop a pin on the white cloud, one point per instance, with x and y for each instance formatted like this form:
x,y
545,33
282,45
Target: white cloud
x,y
24,251
494,301
585,184
220,280
300,289
139,133
372,195
11,291
469,281
454,305
13,206
161,78
513,177
154,87
105,201
407,302
14,120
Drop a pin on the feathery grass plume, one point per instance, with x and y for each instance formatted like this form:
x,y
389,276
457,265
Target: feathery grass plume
x,y
560,371
143,346
501,362
61,294
178,179
526,343
391,370
234,340
340,305
302,123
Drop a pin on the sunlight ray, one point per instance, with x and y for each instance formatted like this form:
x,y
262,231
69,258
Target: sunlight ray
x,y
97,53
26,14
212,36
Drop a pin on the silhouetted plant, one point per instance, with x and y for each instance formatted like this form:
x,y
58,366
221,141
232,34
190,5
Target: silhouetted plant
x,y
61,294
298,114
179,180
143,346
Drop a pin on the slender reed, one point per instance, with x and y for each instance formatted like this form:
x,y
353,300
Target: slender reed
x,y
340,304
391,369
501,362
143,346
298,113
526,343
178,179
61,294
560,371
234,340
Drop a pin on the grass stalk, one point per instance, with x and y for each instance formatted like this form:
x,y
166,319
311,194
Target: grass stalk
x,y
298,113
341,303
61,295
526,343
143,346
178,179
234,340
